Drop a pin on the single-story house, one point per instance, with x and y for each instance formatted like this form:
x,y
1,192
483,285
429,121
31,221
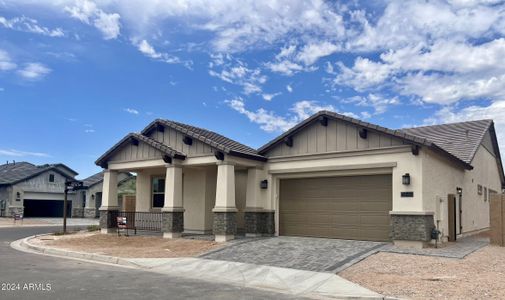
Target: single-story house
x,y
329,176
91,195
34,191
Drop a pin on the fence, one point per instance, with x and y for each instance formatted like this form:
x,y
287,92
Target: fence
x,y
147,221
497,219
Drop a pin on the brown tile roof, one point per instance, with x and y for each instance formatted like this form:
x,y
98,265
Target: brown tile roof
x,y
459,139
210,138
135,136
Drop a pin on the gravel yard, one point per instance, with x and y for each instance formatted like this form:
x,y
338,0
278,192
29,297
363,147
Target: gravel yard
x,y
128,247
481,275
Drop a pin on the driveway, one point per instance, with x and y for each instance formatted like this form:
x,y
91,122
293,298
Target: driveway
x,y
311,254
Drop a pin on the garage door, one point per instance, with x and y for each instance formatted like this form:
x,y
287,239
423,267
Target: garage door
x,y
353,207
45,208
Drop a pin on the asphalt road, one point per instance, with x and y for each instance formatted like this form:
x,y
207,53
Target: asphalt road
x,y
72,279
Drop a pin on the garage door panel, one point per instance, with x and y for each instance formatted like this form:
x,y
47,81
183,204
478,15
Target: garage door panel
x,y
353,207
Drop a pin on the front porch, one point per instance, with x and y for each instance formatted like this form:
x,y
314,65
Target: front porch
x,y
204,195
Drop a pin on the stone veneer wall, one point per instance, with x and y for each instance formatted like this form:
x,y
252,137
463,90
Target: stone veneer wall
x,y
412,227
225,223
108,219
90,213
77,212
262,223
173,222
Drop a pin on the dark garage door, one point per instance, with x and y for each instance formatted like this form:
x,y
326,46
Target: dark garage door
x,y
46,208
348,207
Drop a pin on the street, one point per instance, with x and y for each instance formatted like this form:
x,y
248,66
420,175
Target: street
x,y
34,276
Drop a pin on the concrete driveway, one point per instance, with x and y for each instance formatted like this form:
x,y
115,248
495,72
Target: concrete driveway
x,y
311,254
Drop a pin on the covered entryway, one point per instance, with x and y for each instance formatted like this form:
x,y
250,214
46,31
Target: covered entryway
x,y
346,207
45,208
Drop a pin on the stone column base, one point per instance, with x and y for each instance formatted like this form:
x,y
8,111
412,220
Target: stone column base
x,y
412,229
108,220
225,226
77,212
90,213
173,224
13,210
259,223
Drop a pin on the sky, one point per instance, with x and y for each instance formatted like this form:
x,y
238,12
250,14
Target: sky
x,y
76,76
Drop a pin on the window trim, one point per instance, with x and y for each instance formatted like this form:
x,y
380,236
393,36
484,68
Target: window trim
x,y
153,177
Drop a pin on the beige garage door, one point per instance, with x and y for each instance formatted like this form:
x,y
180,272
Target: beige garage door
x,y
353,207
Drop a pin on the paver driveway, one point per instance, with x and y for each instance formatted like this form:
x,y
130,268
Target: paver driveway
x,y
312,254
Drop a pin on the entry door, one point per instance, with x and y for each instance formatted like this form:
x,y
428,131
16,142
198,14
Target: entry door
x,y
452,216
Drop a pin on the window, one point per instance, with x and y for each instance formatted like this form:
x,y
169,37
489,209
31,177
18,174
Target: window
x,y
51,177
479,189
158,192
485,193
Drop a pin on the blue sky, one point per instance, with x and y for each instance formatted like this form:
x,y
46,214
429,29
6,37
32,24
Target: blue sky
x,y
76,76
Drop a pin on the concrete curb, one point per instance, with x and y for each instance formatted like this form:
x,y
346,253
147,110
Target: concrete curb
x,y
25,243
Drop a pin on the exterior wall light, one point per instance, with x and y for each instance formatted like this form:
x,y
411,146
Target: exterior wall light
x,y
459,190
406,179
264,184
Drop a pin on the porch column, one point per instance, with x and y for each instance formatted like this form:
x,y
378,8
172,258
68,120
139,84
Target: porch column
x,y
258,220
109,208
225,211
173,211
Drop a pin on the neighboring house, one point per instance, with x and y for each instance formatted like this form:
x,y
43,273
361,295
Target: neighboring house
x,y
329,176
91,196
34,191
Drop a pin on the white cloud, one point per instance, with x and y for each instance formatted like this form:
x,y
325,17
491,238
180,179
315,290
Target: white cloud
x,y
88,12
30,25
89,130
378,102
19,153
6,62
131,111
34,71
108,24
237,72
310,53
269,97
289,88
271,122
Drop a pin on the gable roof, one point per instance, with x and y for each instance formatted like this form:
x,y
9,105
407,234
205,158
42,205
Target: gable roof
x,y
98,178
135,136
208,137
13,173
405,136
460,139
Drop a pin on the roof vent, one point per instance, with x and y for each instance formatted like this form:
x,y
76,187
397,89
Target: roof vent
x,y
467,133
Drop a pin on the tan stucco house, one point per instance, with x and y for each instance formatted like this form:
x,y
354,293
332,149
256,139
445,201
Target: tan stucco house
x,y
329,176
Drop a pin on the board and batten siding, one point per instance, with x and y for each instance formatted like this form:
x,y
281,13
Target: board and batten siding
x,y
337,136
173,139
131,152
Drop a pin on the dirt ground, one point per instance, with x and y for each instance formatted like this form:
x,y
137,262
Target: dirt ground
x,y
481,275
132,246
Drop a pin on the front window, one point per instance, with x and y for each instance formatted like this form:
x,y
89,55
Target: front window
x,y
158,198
51,177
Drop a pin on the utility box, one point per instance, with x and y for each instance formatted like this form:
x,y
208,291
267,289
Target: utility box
x,y
497,219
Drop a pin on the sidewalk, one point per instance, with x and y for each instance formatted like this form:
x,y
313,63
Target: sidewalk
x,y
28,222
282,280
